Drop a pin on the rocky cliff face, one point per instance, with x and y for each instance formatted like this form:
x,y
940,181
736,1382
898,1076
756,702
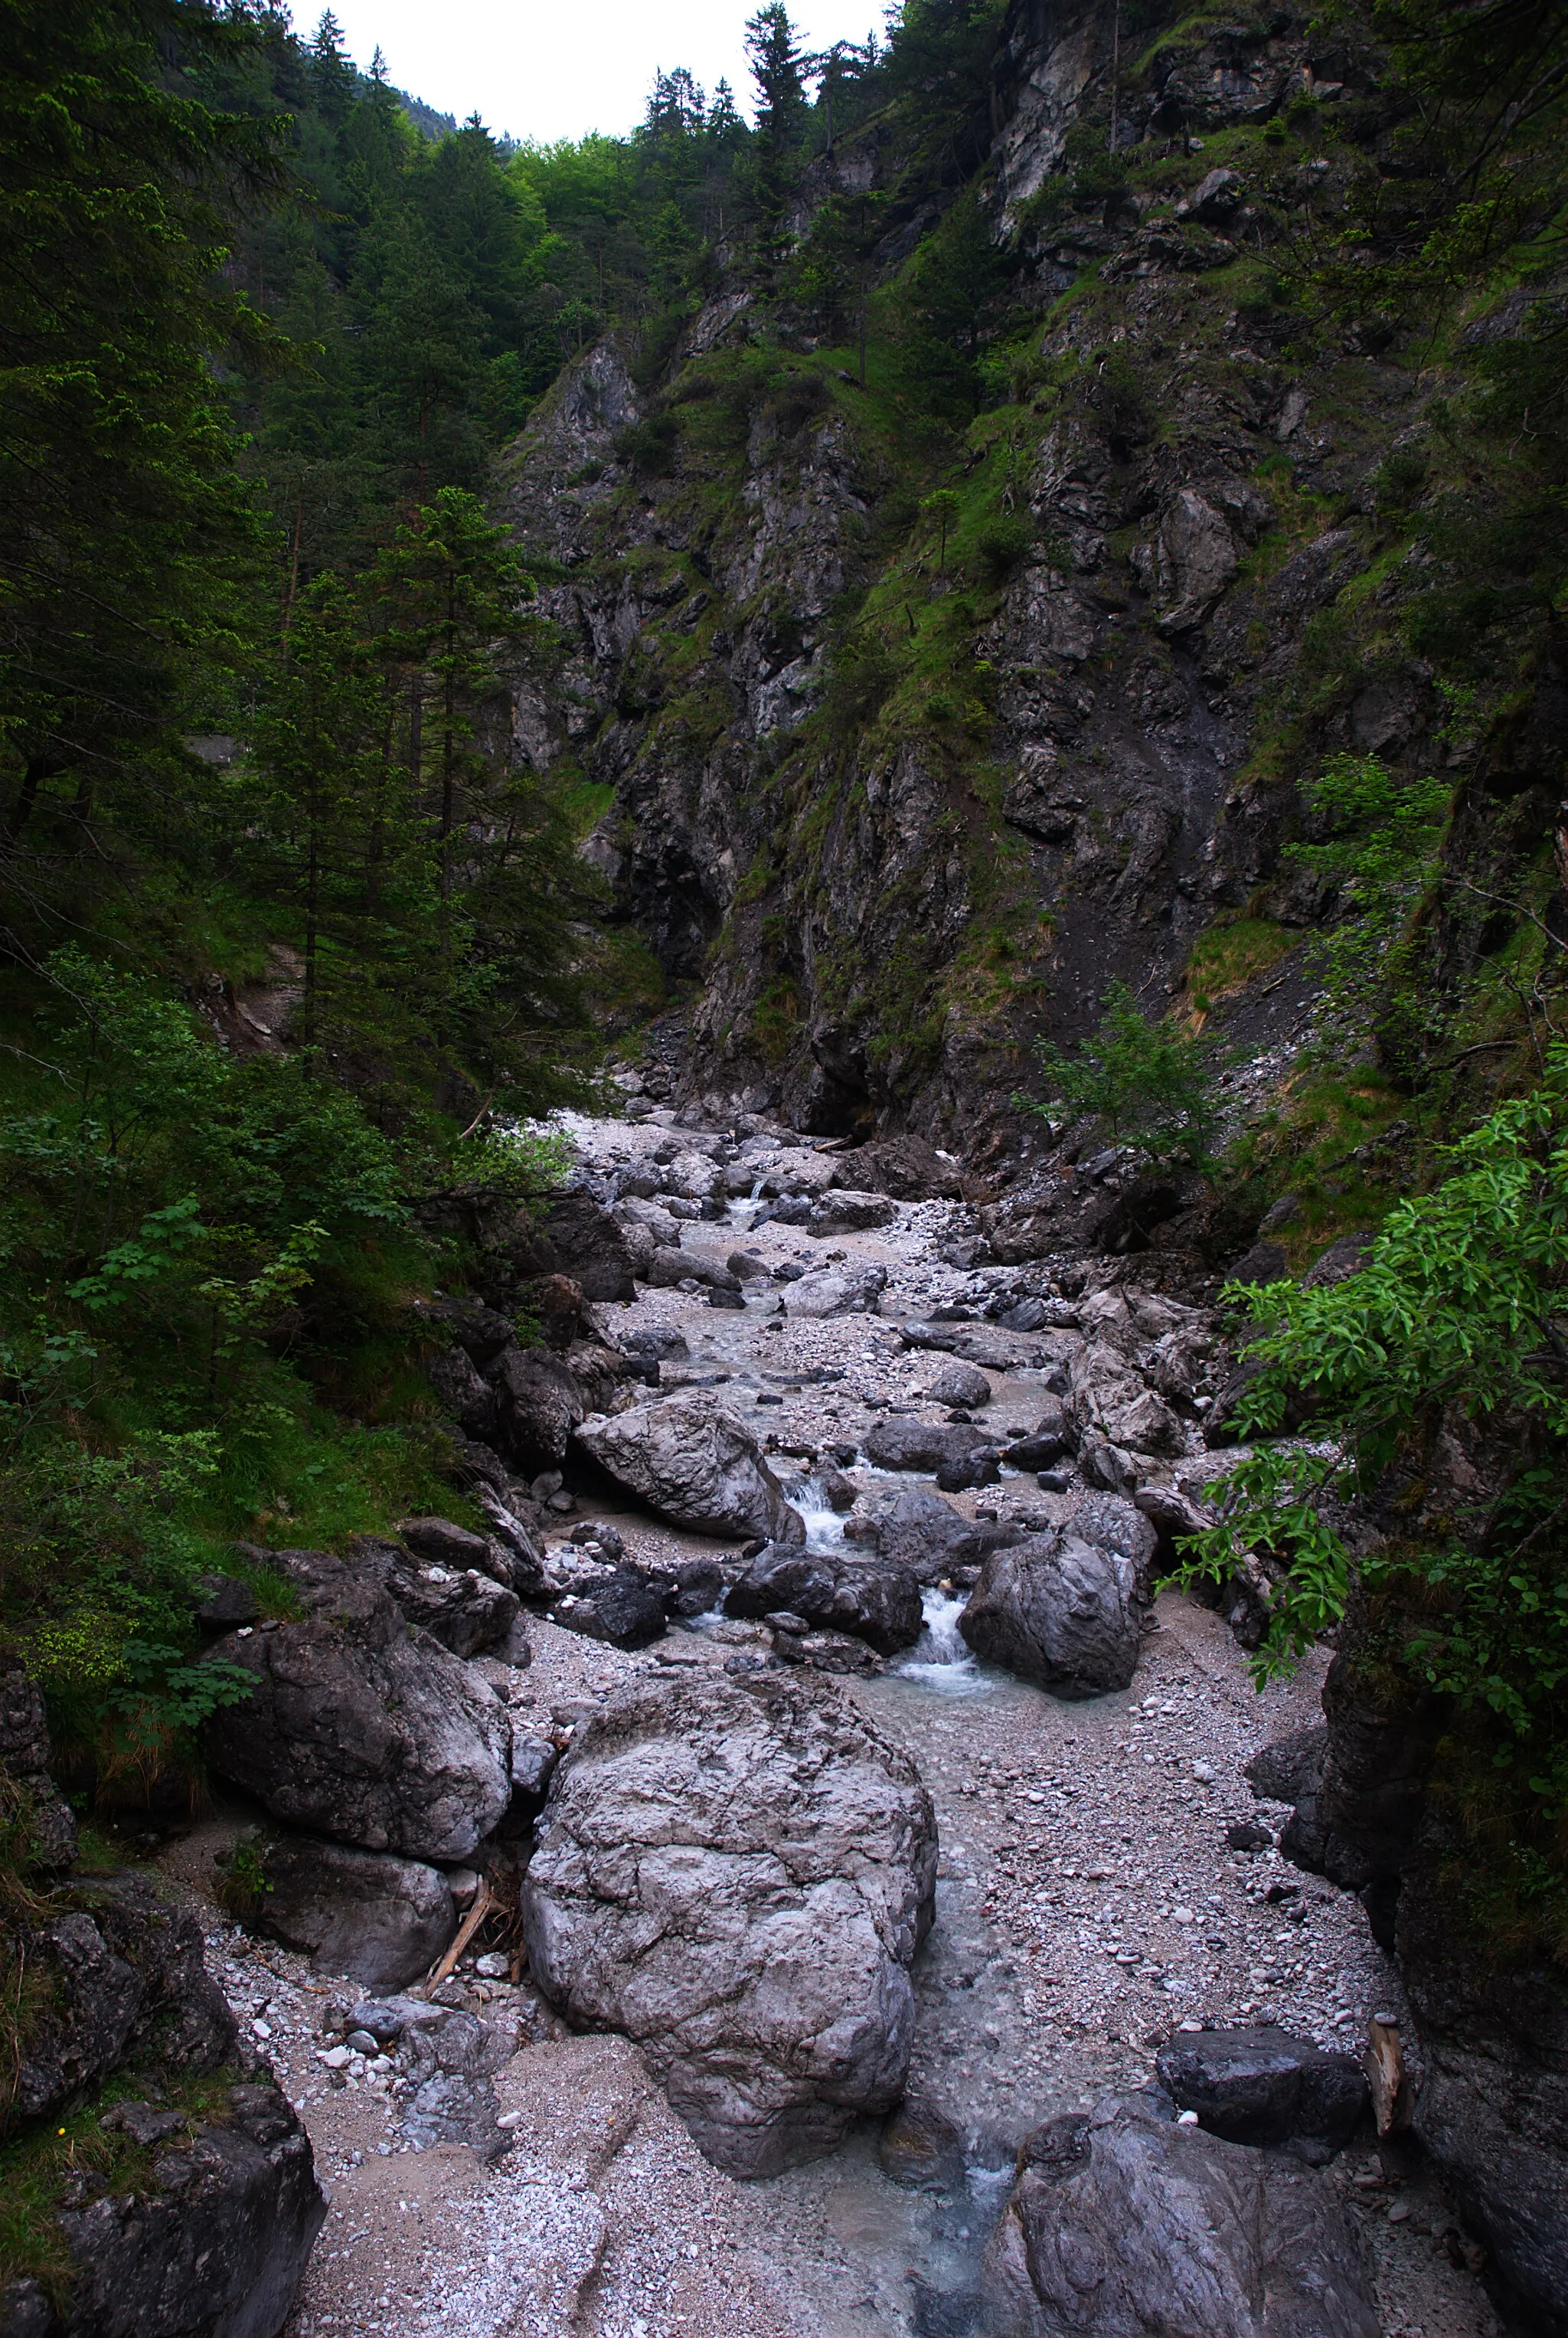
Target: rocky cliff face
x,y
894,797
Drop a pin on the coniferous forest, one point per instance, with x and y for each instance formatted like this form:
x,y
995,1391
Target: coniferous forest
x,y
987,607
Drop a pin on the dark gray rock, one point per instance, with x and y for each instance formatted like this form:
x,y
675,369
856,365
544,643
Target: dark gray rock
x,y
579,1239
466,1612
690,1588
225,1602
1051,1436
450,2066
959,1383
365,1914
1067,1608
440,1543
462,1390
533,1760
929,1537
214,2245
619,1607
539,1405
360,1726
736,1873
1493,2110
690,1459
907,1167
46,1831
962,1471
1266,1261
1340,1262
1121,2225
902,1442
114,1971
879,1602
1292,1767
1263,2086
827,1652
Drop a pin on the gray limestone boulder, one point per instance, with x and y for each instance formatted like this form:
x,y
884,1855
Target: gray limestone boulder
x,y
850,1214
737,1874
959,1383
366,1914
876,1603
909,1167
845,1290
1067,1608
361,1726
1122,2224
691,1460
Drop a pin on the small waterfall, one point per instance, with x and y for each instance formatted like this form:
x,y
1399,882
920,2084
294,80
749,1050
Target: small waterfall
x,y
942,1658
824,1527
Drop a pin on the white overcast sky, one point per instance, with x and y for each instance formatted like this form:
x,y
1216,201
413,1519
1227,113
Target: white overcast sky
x,y
546,69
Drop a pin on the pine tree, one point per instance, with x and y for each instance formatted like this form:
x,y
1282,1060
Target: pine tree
x,y
777,68
123,521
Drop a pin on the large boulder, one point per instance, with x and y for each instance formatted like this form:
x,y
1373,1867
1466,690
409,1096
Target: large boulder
x,y
360,1726
616,1604
691,1460
210,2243
466,1611
111,1970
1263,2086
577,1238
959,1383
875,1603
907,1167
850,1214
1122,2224
930,1537
737,1874
903,1442
1067,1608
376,1919
539,1405
846,1289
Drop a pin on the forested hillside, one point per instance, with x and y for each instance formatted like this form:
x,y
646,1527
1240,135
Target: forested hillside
x,y
1001,589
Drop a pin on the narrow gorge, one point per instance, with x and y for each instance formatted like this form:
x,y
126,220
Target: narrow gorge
x,y
782,1391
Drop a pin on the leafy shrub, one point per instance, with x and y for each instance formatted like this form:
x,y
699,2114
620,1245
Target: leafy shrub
x,y
1003,546
1455,1312
1153,1085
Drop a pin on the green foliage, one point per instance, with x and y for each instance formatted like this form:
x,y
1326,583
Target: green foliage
x,y
1455,1312
240,1882
1153,1084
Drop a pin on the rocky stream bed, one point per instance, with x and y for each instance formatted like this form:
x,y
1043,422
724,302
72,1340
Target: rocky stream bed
x,y
1108,1892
